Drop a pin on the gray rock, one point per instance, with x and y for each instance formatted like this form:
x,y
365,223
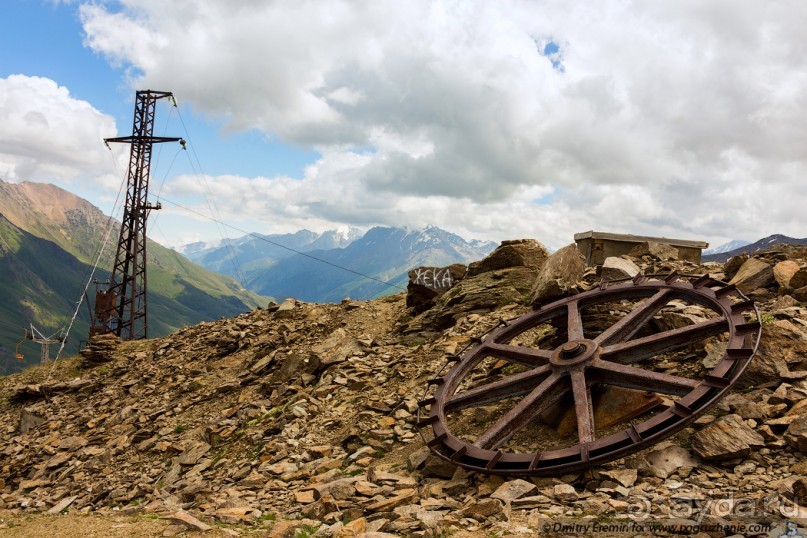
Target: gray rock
x,y
726,438
565,493
626,477
562,270
800,491
189,521
62,505
286,309
733,265
796,434
781,345
438,468
663,462
483,509
418,458
753,274
516,253
29,420
513,489
614,268
193,453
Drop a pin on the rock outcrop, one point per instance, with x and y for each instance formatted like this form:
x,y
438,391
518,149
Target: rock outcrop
x,y
559,275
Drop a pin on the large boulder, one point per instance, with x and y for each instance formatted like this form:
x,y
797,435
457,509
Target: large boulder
x,y
753,274
796,434
782,353
516,253
562,270
733,265
100,349
426,284
614,268
726,438
790,275
504,277
482,293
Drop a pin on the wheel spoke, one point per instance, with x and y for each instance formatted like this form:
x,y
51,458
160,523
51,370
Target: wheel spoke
x,y
526,356
642,348
626,327
631,377
536,402
574,321
515,385
583,407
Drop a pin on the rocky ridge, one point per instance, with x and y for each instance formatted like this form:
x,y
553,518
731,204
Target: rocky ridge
x,y
300,419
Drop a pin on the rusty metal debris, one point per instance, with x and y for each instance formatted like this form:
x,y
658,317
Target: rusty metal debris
x,y
502,423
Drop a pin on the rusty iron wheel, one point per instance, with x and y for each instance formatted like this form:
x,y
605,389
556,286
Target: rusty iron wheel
x,y
565,375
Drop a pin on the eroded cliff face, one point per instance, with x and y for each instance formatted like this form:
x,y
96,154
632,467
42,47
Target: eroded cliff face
x,y
302,416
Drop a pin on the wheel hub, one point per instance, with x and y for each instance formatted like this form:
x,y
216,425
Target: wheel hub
x,y
574,353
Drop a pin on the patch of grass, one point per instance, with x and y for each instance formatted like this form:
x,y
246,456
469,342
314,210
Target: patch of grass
x,y
765,318
305,531
218,456
267,516
180,428
255,451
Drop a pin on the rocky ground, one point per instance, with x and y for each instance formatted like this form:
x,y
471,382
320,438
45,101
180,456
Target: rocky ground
x,y
299,420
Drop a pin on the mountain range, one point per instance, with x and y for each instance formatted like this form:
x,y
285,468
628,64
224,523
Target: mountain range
x,y
724,254
48,245
251,254
333,265
726,247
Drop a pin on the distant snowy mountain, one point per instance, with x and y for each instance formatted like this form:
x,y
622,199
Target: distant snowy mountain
x,y
386,254
262,263
762,244
726,247
243,257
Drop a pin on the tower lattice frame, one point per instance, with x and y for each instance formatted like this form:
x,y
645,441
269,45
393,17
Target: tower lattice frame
x,y
122,309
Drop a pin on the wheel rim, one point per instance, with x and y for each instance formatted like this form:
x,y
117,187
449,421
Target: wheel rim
x,y
580,362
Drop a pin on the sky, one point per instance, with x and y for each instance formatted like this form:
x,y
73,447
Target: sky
x,y
493,120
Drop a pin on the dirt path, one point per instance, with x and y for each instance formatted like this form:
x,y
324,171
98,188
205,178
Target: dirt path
x,y
102,526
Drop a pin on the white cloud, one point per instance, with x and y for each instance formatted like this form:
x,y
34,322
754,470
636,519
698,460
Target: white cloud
x,y
47,135
685,118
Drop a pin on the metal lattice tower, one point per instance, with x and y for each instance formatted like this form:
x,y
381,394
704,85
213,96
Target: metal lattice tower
x,y
122,308
45,342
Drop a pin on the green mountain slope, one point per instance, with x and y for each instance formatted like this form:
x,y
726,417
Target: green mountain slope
x,y
40,284
47,248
